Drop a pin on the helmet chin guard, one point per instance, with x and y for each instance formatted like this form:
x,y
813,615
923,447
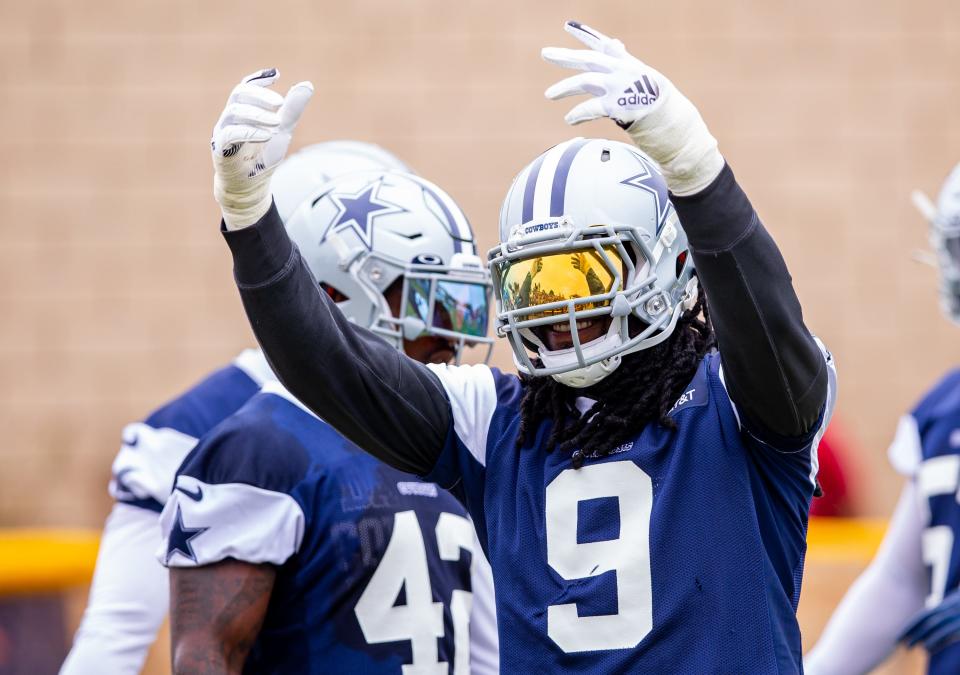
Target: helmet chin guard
x,y
588,233
578,378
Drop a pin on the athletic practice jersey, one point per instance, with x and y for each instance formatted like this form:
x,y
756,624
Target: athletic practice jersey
x,y
680,552
152,450
927,449
374,565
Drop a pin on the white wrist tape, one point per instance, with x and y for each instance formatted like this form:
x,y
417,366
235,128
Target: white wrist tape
x,y
676,137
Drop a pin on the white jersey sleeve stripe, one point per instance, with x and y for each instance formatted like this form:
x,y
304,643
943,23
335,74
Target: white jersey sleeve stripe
x,y
473,399
277,389
147,462
733,406
254,364
204,523
827,413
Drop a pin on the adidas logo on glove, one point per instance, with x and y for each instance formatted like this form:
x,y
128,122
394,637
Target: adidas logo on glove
x,y
643,92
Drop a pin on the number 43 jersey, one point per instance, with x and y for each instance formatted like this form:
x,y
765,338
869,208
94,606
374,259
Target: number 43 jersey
x,y
373,565
680,552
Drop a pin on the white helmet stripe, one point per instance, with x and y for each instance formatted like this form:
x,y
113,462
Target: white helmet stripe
x,y
530,185
556,166
549,188
541,195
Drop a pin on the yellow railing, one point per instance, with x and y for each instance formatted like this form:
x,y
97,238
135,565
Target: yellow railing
x,y
844,540
34,560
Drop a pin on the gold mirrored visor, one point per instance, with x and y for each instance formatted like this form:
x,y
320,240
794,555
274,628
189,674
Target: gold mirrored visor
x,y
558,277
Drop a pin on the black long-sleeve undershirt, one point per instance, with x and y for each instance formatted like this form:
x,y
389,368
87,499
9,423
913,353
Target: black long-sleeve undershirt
x,y
775,372
396,409
388,404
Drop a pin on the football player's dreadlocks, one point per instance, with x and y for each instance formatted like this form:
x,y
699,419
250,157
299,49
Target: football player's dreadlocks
x,y
643,389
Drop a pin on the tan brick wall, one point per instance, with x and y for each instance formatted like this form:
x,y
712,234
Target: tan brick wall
x,y
115,288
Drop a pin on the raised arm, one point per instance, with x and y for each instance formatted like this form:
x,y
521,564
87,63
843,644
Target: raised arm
x,y
775,372
774,369
383,401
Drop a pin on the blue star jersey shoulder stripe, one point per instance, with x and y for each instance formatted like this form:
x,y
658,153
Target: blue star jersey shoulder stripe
x,y
373,565
927,449
680,551
152,450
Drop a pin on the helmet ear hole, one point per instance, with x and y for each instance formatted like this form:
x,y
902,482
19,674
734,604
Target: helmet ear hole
x,y
682,261
335,293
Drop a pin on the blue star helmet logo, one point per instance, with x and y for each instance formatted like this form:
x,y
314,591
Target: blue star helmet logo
x,y
649,179
180,538
358,211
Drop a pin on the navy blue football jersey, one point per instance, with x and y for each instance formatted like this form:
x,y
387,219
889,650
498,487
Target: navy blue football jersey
x,y
679,552
152,450
927,449
374,565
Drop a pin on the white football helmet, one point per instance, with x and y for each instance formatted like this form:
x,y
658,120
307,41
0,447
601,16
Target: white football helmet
x,y
363,232
944,220
305,171
588,232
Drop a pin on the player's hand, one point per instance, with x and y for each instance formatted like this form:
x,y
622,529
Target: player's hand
x,y
936,628
661,121
249,140
623,87
579,262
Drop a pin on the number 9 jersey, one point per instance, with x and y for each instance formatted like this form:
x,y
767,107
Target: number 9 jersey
x,y
679,552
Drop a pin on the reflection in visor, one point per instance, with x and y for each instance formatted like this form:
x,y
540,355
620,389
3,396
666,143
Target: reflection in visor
x,y
459,306
556,278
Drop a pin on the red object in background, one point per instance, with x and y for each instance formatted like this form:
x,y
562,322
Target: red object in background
x,y
833,454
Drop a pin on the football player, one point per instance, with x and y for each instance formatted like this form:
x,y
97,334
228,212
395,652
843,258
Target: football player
x,y
292,550
642,499
909,591
129,596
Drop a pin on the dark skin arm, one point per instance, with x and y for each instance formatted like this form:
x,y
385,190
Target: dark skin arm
x,y
216,612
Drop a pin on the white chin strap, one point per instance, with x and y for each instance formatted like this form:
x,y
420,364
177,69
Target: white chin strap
x,y
579,378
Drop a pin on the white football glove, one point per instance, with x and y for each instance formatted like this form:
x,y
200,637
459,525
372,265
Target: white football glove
x,y
661,121
249,140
